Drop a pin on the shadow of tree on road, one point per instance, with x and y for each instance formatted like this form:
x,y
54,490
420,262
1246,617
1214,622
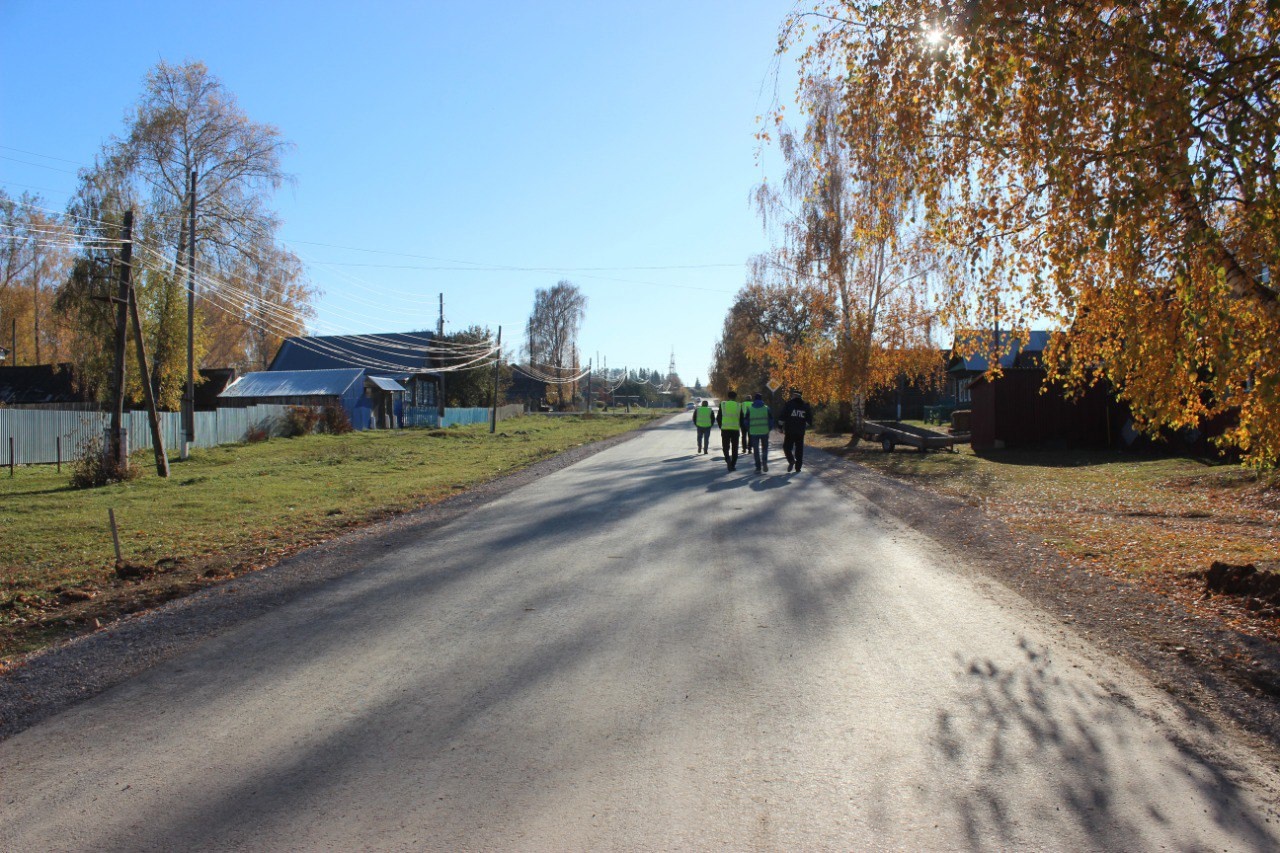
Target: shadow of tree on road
x,y
440,704
1009,723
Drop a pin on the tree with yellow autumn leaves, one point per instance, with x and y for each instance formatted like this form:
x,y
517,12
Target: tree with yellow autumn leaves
x,y
1109,166
839,307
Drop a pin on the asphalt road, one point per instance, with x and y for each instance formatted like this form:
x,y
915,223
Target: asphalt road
x,y
642,651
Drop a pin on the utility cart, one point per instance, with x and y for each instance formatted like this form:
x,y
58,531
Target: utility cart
x,y
892,433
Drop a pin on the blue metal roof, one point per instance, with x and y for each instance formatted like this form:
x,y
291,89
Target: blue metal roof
x,y
395,354
387,384
294,383
1036,343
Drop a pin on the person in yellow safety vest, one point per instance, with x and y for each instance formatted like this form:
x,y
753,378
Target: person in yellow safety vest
x,y
729,419
759,421
746,439
703,419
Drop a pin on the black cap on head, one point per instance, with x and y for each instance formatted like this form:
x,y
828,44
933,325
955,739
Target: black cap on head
x,y
759,396
795,392
733,395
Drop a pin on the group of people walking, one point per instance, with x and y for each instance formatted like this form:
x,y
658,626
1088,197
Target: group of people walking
x,y
751,422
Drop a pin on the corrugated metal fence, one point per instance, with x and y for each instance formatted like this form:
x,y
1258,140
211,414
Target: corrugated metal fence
x,y
36,432
463,417
417,416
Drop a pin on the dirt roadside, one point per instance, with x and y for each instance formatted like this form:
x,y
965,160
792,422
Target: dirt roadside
x,y
1219,675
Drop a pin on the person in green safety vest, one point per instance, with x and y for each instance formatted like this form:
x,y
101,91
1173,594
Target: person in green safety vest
x,y
759,421
703,419
729,419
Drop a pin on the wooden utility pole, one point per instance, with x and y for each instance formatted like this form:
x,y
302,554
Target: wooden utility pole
x,y
497,363
189,396
153,415
117,447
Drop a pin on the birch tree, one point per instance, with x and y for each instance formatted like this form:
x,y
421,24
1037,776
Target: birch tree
x,y
187,121
1111,166
552,335
851,258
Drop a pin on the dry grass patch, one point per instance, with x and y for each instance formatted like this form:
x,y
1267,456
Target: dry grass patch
x,y
1161,521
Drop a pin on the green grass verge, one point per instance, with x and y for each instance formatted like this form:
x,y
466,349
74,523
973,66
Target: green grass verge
x,y
231,509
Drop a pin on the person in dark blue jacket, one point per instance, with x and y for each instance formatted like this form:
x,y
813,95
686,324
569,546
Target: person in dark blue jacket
x,y
796,417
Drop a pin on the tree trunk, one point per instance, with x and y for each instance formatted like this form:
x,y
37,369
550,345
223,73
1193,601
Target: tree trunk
x,y
857,415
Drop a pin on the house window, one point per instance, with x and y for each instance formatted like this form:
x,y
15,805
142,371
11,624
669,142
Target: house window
x,y
422,392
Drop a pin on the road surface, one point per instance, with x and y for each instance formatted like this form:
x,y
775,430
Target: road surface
x,y
642,651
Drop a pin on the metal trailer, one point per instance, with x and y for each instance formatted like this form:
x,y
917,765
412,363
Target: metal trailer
x,y
892,433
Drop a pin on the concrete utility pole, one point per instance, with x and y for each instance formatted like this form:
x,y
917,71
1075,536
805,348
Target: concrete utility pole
x,y
189,397
117,441
437,356
497,364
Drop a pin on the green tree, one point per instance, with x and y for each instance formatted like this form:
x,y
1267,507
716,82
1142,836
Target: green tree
x,y
474,387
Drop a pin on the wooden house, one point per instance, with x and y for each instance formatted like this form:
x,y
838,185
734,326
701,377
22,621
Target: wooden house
x,y
407,358
963,369
370,402
42,385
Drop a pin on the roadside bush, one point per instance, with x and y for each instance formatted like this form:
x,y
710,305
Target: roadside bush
x,y
95,469
833,419
334,420
299,420
258,433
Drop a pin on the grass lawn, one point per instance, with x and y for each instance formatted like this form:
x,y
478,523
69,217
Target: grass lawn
x,y
234,508
1140,516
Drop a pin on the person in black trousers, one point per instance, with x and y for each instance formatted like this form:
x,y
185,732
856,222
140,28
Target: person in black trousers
x,y
729,419
796,417
704,419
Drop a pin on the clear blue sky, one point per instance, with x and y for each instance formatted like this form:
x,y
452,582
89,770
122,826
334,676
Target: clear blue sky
x,y
592,141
